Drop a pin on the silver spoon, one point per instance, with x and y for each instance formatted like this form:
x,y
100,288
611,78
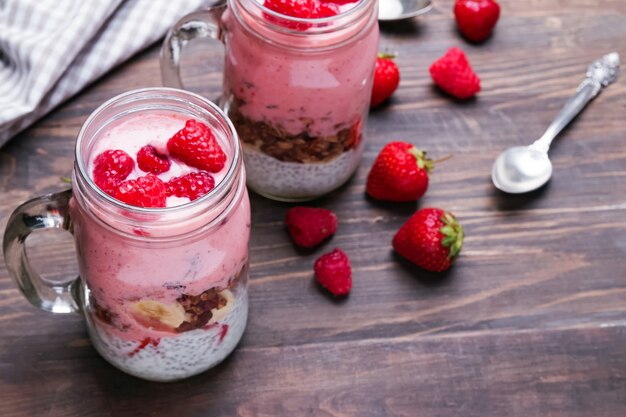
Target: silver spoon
x,y
389,10
525,168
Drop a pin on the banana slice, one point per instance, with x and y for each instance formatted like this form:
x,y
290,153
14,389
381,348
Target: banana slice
x,y
220,313
171,315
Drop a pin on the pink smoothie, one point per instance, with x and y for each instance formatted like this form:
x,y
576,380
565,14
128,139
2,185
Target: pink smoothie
x,y
294,83
298,94
136,285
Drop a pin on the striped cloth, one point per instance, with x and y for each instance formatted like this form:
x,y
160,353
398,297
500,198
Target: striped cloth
x,y
51,49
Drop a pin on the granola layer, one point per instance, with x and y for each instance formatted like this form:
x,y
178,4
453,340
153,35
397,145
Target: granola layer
x,y
275,141
188,312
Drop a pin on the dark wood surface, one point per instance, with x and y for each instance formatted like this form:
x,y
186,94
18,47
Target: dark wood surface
x,y
530,322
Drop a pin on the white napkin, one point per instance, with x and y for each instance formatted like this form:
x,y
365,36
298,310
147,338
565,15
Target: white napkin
x,y
51,49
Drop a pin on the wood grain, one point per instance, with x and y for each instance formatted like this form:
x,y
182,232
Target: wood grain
x,y
530,322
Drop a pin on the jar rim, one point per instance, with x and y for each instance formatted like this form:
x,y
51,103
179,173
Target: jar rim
x,y
220,189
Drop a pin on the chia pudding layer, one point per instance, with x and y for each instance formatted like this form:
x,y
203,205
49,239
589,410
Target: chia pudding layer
x,y
167,356
297,167
299,181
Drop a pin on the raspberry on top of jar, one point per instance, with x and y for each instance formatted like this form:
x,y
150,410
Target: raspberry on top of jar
x,y
307,9
158,160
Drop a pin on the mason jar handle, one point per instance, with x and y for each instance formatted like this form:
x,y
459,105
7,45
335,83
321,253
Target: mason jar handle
x,y
49,211
202,24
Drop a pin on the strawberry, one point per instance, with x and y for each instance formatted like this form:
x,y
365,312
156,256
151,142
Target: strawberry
x,y
454,75
149,160
400,173
309,226
147,191
386,79
431,239
196,146
110,168
476,18
333,272
192,185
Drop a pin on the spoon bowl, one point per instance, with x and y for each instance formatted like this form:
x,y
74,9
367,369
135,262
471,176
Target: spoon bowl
x,y
521,169
391,10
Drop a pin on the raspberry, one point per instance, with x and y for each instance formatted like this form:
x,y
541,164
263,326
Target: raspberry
x,y
149,160
454,75
148,191
304,9
308,226
196,146
192,185
333,272
339,1
110,168
326,10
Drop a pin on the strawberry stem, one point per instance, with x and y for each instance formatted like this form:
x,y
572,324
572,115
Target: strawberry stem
x,y
444,159
386,55
453,235
422,161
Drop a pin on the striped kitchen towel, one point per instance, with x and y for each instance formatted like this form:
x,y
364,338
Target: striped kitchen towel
x,y
51,49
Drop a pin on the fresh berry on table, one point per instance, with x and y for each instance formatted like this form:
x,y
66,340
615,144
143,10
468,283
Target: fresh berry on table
x,y
400,173
309,226
454,74
110,168
386,79
149,160
196,146
193,185
476,18
147,191
333,272
431,239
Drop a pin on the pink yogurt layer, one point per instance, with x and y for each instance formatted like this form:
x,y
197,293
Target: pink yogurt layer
x,y
318,92
120,271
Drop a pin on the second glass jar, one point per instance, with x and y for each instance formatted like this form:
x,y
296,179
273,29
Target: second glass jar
x,y
297,91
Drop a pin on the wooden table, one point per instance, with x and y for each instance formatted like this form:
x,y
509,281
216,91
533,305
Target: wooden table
x,y
530,322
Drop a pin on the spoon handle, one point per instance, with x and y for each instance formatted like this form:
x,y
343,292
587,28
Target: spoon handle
x,y
600,73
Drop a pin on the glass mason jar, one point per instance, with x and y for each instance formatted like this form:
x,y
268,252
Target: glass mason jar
x,y
297,90
163,290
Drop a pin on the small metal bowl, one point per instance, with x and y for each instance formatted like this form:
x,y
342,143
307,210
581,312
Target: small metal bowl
x,y
390,10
